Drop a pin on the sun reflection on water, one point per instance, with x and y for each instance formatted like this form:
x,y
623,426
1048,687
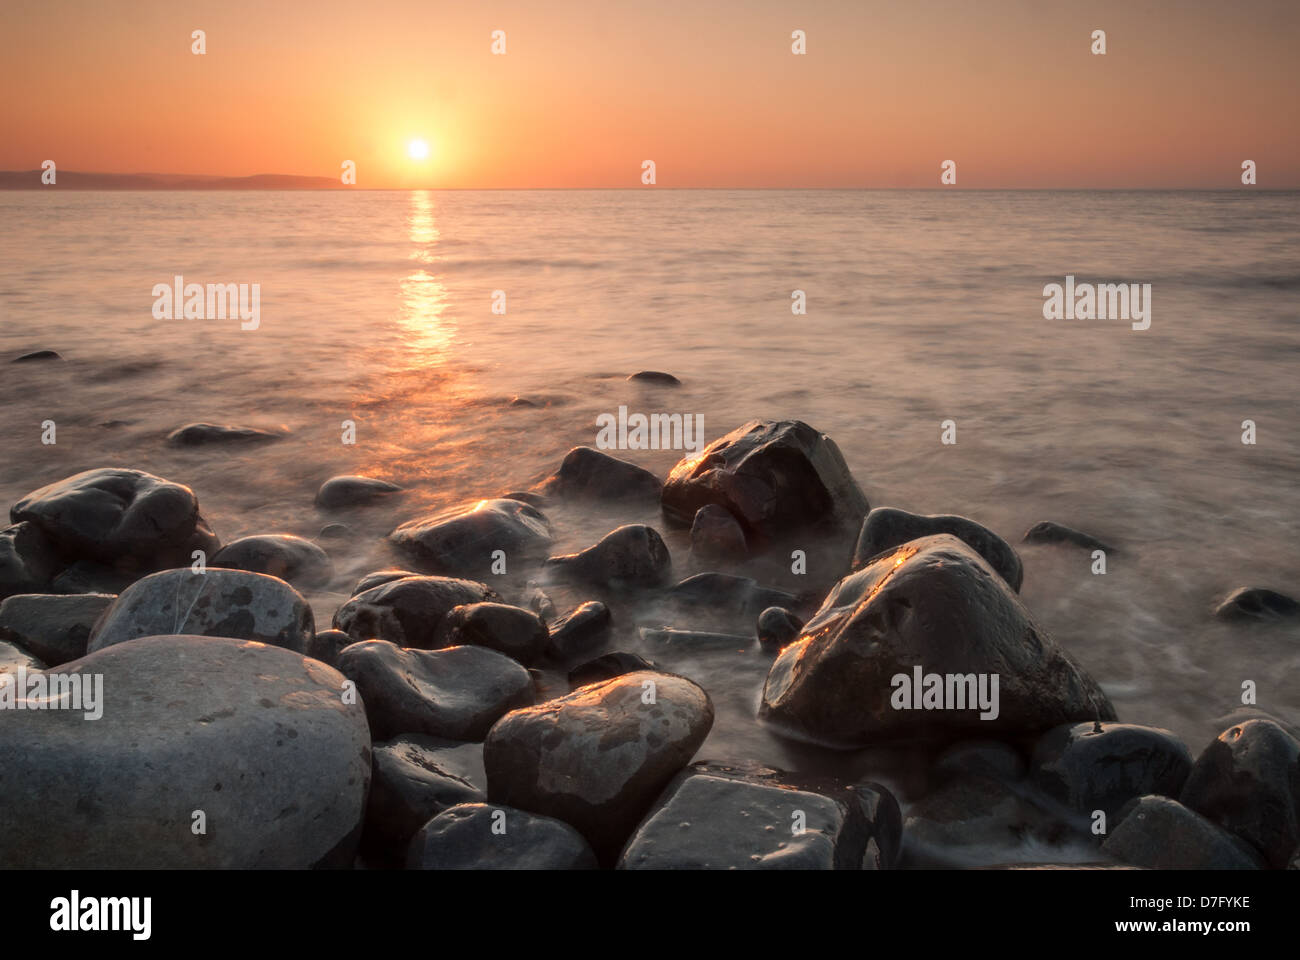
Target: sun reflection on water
x,y
422,318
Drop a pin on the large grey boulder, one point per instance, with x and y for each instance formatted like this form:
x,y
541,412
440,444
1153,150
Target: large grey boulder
x,y
597,757
407,611
252,744
462,543
936,608
216,603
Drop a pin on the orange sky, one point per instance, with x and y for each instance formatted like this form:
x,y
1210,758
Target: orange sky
x,y
708,90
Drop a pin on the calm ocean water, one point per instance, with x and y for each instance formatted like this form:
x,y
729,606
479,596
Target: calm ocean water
x,y
922,307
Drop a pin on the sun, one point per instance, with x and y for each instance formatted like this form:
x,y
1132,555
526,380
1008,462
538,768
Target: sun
x,y
418,150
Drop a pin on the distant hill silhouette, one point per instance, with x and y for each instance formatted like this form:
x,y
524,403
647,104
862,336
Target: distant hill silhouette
x,y
76,180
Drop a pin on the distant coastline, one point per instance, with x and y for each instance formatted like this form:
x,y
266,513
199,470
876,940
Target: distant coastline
x,y
74,180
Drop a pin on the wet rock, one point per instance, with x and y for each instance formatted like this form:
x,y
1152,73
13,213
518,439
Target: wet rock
x,y
1256,603
1048,532
335,532
218,603
1162,834
1102,766
326,646
477,836
27,560
634,555
778,479
514,631
587,474
581,630
409,787
971,820
688,640
123,518
598,757
12,657
37,355
407,611
203,434
933,605
522,402
87,576
985,758
1248,782
1240,715
381,577
456,693
656,376
462,543
719,599
352,491
55,628
292,559
719,818
258,738
777,628
608,666
887,528
716,536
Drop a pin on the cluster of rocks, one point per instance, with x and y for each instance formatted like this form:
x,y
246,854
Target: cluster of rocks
x,y
423,728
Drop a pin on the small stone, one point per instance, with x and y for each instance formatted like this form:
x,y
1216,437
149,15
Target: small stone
x,y
777,629
351,491
1048,532
477,836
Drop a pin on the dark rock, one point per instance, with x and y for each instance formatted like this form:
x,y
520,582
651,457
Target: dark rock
x,y
716,536
597,758
124,518
608,666
335,531
27,560
462,543
522,402
409,787
523,496
218,603
1239,715
1248,782
292,559
886,528
656,376
37,355
456,693
970,820
476,836
1162,834
1049,532
581,630
720,598
381,577
407,611
719,818
257,738
202,434
12,657
514,631
1102,766
87,576
326,646
588,474
688,640
935,605
778,479
1256,603
634,555
777,629
55,628
351,491
986,758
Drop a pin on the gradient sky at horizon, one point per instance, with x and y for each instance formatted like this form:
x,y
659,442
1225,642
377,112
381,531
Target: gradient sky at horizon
x,y
708,90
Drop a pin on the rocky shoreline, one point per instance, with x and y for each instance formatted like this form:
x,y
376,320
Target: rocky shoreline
x,y
451,716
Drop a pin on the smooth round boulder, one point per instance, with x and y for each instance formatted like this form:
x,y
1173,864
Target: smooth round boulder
x,y
1102,766
1161,834
777,628
1256,603
657,377
27,560
479,836
407,611
124,518
54,627
465,543
456,693
292,559
887,528
257,740
598,757
633,555
518,633
779,479
906,649
380,577
37,355
217,603
352,491
588,474
1248,782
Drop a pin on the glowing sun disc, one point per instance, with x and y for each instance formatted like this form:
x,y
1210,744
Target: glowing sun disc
x,y
418,150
